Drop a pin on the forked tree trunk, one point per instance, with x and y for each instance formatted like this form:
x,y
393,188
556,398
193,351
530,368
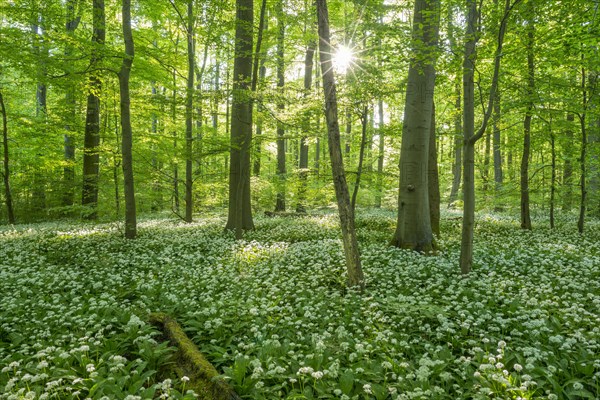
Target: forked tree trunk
x,y
413,228
91,141
5,164
346,214
470,136
240,211
126,133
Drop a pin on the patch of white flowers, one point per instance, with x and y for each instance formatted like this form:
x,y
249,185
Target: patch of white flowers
x,y
274,313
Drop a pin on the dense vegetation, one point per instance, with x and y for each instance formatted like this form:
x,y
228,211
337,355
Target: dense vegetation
x,y
273,311
198,118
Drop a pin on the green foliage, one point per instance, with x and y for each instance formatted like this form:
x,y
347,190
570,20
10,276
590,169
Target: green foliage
x,y
273,313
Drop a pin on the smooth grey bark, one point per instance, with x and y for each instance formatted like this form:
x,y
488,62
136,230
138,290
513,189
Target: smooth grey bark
x,y
189,104
91,140
413,227
525,211
567,181
364,116
240,210
126,133
433,180
497,151
5,164
259,71
281,167
458,128
380,155
72,22
303,162
41,51
470,135
583,154
353,266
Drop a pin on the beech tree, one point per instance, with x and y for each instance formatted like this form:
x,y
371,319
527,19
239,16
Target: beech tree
x,y
413,228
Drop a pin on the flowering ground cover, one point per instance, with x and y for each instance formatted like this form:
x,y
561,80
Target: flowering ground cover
x,y
272,312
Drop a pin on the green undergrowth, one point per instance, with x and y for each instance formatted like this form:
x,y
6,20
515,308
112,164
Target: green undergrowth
x,y
273,315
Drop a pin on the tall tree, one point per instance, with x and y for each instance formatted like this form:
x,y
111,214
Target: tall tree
x,y
345,211
433,180
303,163
126,132
458,128
470,135
91,140
71,25
380,155
189,103
530,92
240,211
281,169
5,164
413,228
498,176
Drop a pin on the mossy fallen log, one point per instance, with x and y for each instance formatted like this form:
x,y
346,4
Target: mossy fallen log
x,y
204,378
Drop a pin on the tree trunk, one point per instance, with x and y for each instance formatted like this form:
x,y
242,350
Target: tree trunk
x,y
486,161
303,165
433,178
240,211
470,136
189,103
259,71
525,213
69,145
583,155
413,229
126,133
458,128
567,181
498,178
380,156
361,157
41,51
553,179
5,163
346,214
281,170
91,141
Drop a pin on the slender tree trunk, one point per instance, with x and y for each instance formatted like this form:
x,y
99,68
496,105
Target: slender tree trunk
x,y
583,155
91,141
525,213
380,156
486,161
433,178
259,72
5,163
553,179
470,136
567,181
41,51
240,211
303,165
126,133
116,165
458,128
413,229
189,104
281,168
361,157
346,214
498,177
69,145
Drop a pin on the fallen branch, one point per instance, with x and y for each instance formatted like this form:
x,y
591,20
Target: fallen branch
x,y
192,362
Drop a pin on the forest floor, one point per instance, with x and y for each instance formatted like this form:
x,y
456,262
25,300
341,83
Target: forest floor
x,y
273,314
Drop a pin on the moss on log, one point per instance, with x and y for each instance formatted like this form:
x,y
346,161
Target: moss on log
x,y
204,378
